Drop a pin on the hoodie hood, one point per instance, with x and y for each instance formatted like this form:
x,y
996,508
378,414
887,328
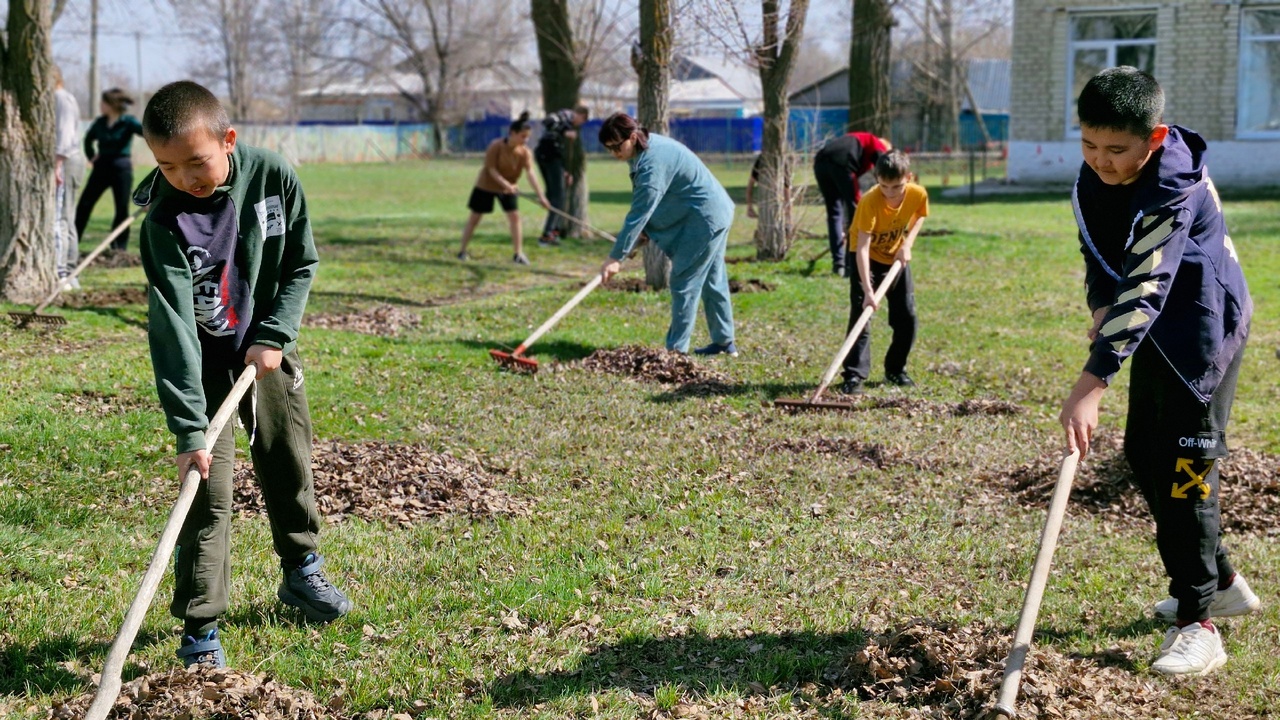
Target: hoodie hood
x,y
1174,171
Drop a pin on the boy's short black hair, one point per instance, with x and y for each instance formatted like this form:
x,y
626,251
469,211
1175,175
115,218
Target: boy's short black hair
x,y
1122,98
893,165
182,107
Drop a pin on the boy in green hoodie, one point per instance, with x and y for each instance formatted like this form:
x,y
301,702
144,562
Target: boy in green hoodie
x,y
228,251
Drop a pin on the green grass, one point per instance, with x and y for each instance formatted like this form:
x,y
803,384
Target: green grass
x,y
670,557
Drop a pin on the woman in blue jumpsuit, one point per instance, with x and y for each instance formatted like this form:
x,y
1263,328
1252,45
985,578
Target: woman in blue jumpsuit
x,y
687,213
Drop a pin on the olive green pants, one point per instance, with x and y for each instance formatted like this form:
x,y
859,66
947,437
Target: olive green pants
x,y
281,452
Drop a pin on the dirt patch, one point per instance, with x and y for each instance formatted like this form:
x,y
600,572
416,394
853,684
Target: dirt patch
x,y
1104,486
395,484
94,403
935,232
738,260
105,297
115,259
206,693
945,671
381,320
874,454
627,284
652,365
750,285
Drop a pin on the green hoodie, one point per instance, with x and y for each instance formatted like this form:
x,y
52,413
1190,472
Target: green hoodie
x,y
274,252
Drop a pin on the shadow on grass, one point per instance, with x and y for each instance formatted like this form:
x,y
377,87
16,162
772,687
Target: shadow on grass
x,y
27,670
543,352
698,664
1136,629
125,316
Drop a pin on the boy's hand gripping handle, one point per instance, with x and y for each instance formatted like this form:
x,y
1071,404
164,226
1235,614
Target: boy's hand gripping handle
x,y
858,326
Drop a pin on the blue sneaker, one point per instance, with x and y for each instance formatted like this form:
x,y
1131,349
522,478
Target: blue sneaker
x,y
306,588
716,349
202,651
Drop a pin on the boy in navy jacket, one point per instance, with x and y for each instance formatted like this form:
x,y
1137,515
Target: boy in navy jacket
x,y
1165,287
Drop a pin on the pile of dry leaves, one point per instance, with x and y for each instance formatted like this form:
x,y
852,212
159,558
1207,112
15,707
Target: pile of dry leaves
x,y
93,402
205,693
913,406
383,320
653,365
396,484
945,671
106,297
1104,485
750,285
625,284
116,259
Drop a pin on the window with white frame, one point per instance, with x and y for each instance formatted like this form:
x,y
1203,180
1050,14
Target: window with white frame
x,y
1100,41
1259,97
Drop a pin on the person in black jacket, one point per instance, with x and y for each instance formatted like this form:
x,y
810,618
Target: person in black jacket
x,y
1165,287
112,134
558,128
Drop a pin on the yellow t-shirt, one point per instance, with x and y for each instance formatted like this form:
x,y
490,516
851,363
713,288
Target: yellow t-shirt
x,y
888,226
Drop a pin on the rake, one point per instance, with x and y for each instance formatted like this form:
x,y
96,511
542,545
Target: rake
x,y
567,216
23,319
1004,707
816,401
109,685
516,360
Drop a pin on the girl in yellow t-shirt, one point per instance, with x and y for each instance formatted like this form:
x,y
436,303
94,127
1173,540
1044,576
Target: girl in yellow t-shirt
x,y
887,222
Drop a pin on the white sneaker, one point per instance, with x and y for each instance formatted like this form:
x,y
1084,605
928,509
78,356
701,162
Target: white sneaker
x,y
1237,599
1192,650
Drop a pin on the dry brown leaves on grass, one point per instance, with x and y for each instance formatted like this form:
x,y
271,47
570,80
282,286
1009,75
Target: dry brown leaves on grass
x,y
913,406
652,365
197,693
941,671
394,484
111,297
382,320
115,259
1250,486
875,454
750,285
93,402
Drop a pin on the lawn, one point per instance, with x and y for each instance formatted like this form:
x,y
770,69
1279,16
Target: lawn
x,y
686,553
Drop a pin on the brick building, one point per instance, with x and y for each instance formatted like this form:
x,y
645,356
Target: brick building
x,y
1218,61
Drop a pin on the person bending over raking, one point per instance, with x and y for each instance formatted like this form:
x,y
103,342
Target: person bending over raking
x,y
685,212
1165,286
228,251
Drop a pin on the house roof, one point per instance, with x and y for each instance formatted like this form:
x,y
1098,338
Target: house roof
x,y
988,79
481,81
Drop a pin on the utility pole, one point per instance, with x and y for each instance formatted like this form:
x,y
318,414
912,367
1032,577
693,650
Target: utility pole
x,y
93,58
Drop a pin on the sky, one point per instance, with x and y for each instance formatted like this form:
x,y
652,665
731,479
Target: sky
x,y
139,46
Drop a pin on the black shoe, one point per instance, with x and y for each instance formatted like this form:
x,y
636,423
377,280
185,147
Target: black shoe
x,y
851,387
901,379
549,240
839,270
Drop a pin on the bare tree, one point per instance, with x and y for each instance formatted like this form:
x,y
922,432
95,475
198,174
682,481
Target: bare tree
x,y
238,34
651,58
444,44
26,152
307,30
770,43
943,36
869,69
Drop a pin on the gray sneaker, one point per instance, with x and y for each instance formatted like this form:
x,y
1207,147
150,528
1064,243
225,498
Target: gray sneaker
x,y
202,651
306,588
520,259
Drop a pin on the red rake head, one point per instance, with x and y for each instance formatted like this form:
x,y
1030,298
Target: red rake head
x,y
517,363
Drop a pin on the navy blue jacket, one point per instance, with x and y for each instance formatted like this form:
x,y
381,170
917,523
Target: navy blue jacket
x,y
1175,280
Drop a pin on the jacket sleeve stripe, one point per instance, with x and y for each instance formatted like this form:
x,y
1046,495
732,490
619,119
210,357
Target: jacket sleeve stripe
x,y
1154,237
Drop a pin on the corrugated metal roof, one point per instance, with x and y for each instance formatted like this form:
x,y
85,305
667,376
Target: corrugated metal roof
x,y
989,81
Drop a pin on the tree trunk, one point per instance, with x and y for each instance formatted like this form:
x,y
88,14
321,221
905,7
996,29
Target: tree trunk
x,y
561,87
776,57
652,63
869,67
26,153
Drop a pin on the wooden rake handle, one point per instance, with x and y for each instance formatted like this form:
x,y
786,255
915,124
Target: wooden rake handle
x,y
88,259
852,337
109,685
1004,707
564,310
571,218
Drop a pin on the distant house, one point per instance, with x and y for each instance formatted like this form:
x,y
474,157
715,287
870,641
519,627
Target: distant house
x,y
387,99
701,87
1216,59
821,109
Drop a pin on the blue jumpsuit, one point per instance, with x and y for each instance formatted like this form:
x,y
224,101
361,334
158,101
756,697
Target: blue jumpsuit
x,y
687,214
